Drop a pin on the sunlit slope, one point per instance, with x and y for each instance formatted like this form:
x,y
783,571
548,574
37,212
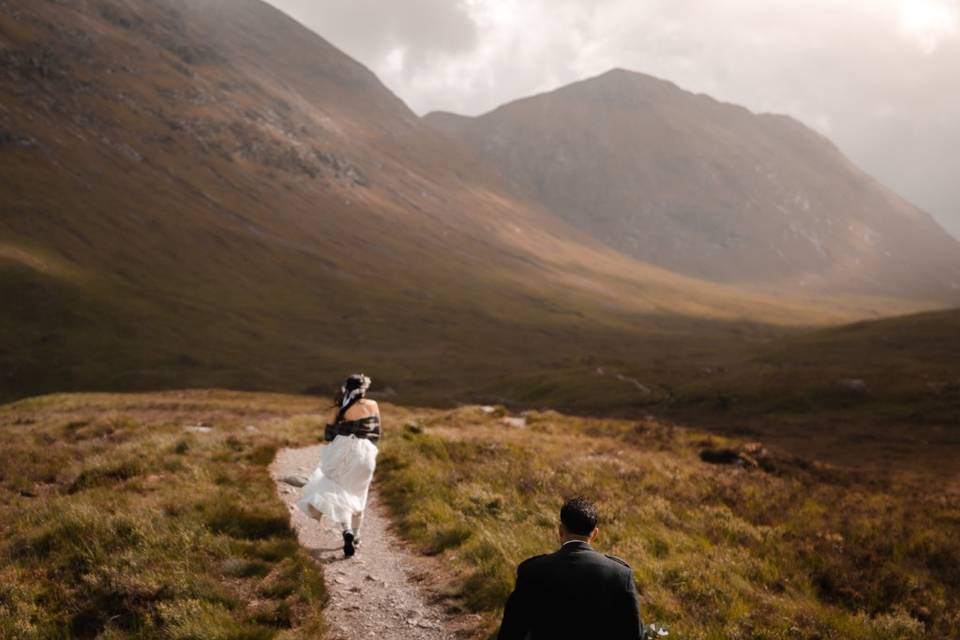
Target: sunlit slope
x,y
207,193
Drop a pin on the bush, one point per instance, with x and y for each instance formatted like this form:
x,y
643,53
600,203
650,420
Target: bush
x,y
106,474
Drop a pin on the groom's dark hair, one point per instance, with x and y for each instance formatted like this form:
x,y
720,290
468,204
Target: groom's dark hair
x,y
579,516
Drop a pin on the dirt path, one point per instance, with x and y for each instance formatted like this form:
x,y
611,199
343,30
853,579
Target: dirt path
x,y
376,593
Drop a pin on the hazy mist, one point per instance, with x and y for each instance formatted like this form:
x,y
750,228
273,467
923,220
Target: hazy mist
x,y
879,77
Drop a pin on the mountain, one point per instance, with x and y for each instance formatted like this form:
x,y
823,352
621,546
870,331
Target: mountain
x,y
711,190
205,193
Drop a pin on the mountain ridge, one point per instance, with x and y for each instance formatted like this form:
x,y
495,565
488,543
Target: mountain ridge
x,y
696,185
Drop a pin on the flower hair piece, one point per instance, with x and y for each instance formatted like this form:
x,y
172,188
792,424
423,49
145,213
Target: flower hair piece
x,y
355,387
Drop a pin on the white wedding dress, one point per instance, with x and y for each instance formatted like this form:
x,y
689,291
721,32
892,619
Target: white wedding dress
x,y
339,486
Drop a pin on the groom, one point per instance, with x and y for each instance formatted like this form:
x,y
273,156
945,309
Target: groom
x,y
574,592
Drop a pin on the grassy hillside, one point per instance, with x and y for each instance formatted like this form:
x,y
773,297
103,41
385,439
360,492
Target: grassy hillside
x,y
787,549
886,391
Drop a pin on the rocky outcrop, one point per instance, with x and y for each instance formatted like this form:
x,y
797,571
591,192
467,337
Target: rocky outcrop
x,y
751,455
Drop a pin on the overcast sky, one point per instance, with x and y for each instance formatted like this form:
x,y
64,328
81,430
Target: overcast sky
x,y
879,77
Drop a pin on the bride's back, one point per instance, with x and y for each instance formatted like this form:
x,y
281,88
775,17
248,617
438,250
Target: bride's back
x,y
361,409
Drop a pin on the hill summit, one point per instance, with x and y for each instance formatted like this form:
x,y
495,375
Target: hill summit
x,y
711,190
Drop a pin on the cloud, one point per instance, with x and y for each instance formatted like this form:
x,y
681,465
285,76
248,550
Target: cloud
x,y
418,32
877,76
929,22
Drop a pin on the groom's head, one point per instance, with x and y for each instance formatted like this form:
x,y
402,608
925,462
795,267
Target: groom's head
x,y
578,520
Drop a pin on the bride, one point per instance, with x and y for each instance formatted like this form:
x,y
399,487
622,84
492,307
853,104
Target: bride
x,y
338,488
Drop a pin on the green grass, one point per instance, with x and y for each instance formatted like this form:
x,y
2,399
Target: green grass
x,y
116,523
799,550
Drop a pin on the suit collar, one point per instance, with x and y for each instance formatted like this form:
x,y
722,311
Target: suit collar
x,y
575,545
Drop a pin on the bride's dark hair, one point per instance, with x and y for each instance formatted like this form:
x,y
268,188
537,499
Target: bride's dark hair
x,y
356,383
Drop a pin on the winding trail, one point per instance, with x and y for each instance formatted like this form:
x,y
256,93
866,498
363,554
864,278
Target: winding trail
x,y
379,593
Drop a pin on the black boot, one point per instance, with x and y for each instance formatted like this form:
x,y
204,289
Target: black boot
x,y
348,547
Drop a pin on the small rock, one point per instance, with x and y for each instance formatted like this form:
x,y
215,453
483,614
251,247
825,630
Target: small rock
x,y
251,428
294,481
720,456
755,449
852,384
517,423
198,428
487,409
752,454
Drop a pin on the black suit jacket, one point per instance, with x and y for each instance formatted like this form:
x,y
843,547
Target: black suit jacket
x,y
574,592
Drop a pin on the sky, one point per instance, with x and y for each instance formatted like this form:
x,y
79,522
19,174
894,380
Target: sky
x,y
881,78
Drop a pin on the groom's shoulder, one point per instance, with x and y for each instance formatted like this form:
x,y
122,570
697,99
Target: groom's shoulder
x,y
617,560
532,561
534,564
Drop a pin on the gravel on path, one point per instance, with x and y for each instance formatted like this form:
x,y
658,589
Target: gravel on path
x,y
374,594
